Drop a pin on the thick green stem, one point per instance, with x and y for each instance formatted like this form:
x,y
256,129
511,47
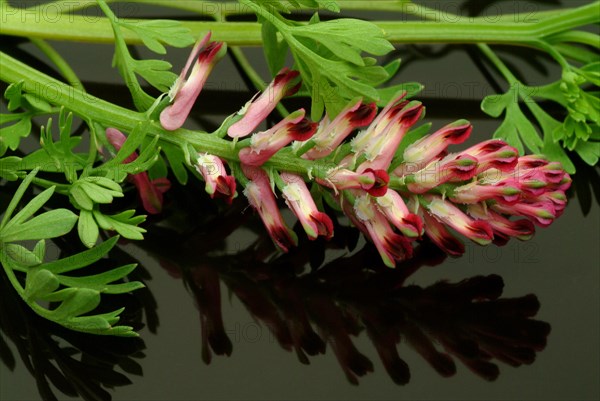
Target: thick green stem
x,y
445,28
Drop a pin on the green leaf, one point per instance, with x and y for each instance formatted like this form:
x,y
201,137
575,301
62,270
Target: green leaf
x,y
101,282
14,95
274,47
33,206
495,105
589,152
157,31
17,198
22,255
39,282
82,259
328,56
156,72
47,225
87,228
176,160
10,136
124,223
78,302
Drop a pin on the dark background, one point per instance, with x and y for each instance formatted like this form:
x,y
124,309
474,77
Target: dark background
x,y
559,266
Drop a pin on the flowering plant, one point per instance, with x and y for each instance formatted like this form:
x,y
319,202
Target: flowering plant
x,y
393,180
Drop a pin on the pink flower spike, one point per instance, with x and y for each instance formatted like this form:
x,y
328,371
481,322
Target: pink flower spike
x,y
150,192
373,181
521,229
185,91
299,200
430,146
265,144
440,236
331,133
391,246
393,207
478,231
218,183
261,198
285,83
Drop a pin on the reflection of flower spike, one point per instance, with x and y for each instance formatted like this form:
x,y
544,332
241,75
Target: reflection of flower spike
x,y
150,191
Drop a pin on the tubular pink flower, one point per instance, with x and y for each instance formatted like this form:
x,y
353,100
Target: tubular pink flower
x,y
493,154
452,168
285,83
185,91
478,231
150,192
475,192
299,200
265,144
381,149
521,229
261,198
440,236
393,207
391,246
218,183
429,147
331,133
373,181
380,123
542,213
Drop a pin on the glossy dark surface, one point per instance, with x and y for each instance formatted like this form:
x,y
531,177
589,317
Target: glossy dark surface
x,y
535,302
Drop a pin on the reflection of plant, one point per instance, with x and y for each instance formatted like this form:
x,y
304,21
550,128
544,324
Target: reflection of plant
x,y
76,364
465,321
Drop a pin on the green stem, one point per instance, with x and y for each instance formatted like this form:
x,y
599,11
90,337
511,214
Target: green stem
x,y
63,67
498,63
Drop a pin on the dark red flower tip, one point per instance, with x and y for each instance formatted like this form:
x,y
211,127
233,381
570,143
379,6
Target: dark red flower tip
x,y
210,51
411,113
481,229
282,238
399,247
379,187
324,224
457,132
284,77
303,130
363,115
415,222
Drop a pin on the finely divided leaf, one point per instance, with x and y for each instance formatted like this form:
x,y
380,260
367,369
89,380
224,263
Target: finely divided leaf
x,y
155,32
